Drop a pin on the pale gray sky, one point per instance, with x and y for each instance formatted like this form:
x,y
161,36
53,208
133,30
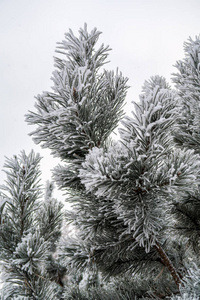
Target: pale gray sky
x,y
146,37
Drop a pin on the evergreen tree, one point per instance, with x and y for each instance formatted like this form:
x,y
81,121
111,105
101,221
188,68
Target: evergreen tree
x,y
126,195
135,201
187,210
29,230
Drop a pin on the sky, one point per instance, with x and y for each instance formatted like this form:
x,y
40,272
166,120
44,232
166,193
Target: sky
x,y
146,37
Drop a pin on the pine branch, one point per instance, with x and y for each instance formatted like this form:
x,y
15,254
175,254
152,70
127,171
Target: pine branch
x,y
168,264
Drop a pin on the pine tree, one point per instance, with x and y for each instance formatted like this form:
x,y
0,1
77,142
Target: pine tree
x,y
135,201
187,210
29,230
187,84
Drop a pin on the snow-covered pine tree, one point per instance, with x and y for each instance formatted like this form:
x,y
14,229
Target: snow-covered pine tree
x,y
142,178
187,82
83,110
124,194
29,229
187,135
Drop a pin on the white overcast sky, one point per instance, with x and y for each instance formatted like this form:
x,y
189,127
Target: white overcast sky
x,y
146,37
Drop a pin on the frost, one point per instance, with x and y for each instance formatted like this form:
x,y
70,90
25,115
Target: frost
x,y
3,202
31,252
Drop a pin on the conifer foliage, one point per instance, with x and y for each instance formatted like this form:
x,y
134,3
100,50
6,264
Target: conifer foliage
x,y
26,239
135,201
